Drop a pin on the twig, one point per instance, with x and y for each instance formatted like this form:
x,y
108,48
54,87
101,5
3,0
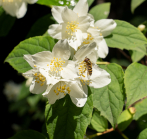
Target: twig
x,y
123,135
102,63
98,134
137,102
128,57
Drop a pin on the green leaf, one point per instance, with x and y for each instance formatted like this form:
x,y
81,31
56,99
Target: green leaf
x,y
66,121
90,2
141,109
143,134
54,2
135,4
98,122
41,26
29,46
137,56
126,36
100,11
109,99
6,22
28,134
124,120
135,83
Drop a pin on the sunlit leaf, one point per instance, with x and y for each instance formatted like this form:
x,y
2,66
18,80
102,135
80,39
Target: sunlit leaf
x,y
100,11
143,134
98,122
126,36
29,46
135,83
141,109
135,4
109,99
124,120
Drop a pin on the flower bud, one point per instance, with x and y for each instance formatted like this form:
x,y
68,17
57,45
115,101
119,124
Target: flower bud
x,y
132,110
141,27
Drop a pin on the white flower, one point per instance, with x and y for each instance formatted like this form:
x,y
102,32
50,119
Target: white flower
x,y
77,92
98,31
99,77
105,26
16,8
38,84
12,90
55,65
72,25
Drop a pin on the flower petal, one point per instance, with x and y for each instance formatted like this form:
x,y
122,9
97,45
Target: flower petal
x,y
51,95
93,56
29,59
56,12
42,59
79,102
49,79
11,8
36,88
22,10
76,90
81,8
84,23
84,51
76,41
102,49
106,26
68,15
30,73
69,72
91,19
55,31
99,80
61,50
31,1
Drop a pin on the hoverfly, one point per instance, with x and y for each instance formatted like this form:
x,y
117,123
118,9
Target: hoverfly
x,y
88,66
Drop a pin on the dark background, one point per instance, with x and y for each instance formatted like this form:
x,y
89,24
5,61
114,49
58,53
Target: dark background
x,y
120,9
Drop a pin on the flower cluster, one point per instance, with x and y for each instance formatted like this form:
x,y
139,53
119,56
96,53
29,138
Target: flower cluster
x,y
79,27
71,65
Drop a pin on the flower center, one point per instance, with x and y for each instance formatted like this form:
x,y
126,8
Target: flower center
x,y
56,65
85,81
72,27
88,39
62,89
40,78
82,68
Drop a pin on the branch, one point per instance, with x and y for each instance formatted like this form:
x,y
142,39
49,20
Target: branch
x,y
128,57
123,135
98,134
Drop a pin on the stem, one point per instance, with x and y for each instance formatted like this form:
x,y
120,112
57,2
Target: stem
x,y
123,135
98,134
128,57
102,63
